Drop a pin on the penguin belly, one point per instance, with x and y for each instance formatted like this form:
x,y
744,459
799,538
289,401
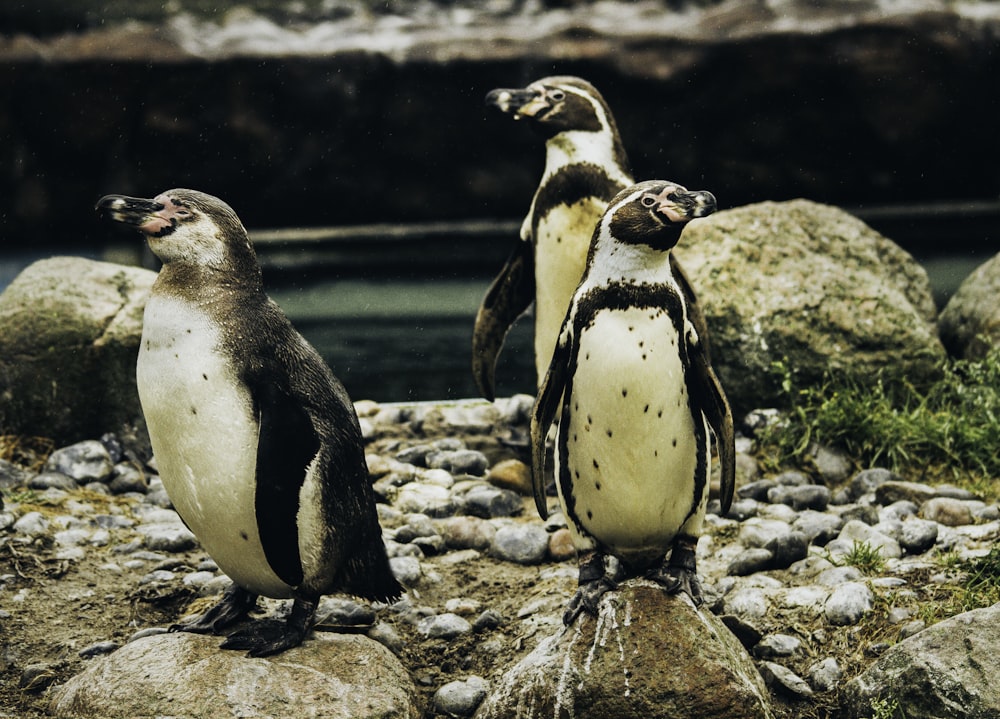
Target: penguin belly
x,y
562,239
204,437
630,445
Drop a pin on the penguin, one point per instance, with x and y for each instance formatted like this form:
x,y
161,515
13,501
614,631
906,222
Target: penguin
x,y
634,397
585,166
257,443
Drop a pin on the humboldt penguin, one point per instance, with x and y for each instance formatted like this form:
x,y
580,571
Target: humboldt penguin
x,y
257,443
636,397
585,166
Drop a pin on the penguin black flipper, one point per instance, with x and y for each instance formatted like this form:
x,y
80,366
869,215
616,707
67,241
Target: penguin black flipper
x,y
287,444
509,295
695,315
711,398
548,402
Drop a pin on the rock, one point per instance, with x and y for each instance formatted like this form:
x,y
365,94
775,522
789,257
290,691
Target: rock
x,y
512,474
47,480
894,491
818,527
944,669
85,461
946,511
696,670
460,461
756,490
69,334
561,547
916,536
406,570
461,698
832,465
11,475
848,603
488,502
467,533
785,680
781,281
970,322
750,561
869,480
167,537
788,548
184,674
520,543
32,524
777,645
861,533
420,498
809,496
825,675
443,626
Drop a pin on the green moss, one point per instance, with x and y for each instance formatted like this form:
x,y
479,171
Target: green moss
x,y
947,431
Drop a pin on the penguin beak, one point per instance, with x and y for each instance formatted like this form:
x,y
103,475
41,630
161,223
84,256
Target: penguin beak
x,y
136,212
679,205
518,103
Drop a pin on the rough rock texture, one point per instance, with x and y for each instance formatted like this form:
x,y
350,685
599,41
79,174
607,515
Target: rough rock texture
x,y
69,334
333,676
810,283
646,655
947,670
970,322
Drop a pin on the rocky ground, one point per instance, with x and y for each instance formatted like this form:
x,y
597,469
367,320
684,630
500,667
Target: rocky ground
x,y
92,554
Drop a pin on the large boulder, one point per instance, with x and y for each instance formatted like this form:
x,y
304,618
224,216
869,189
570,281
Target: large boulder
x,y
646,655
334,676
814,286
947,670
970,322
69,337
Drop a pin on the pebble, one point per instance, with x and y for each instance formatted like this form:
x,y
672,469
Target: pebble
x,y
784,680
825,674
512,474
406,570
777,645
848,603
461,698
47,480
487,502
561,547
443,626
520,543
467,533
947,511
84,462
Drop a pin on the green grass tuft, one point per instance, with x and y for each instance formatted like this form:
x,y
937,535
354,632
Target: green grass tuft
x,y
949,431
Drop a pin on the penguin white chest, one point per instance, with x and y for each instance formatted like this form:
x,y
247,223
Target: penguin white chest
x,y
631,444
204,436
561,242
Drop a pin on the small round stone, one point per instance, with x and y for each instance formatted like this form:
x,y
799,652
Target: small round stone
x,y
777,645
406,570
84,461
750,561
521,543
468,533
947,511
916,536
561,547
488,502
825,675
848,603
512,474
461,698
443,626
47,480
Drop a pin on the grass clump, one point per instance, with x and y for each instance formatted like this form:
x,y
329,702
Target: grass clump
x,y
864,557
948,431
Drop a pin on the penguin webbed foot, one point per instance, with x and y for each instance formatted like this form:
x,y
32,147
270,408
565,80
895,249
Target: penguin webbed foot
x,y
265,637
588,598
594,583
680,573
235,604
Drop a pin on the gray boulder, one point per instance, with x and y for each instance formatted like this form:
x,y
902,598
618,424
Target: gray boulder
x,y
69,335
646,655
946,670
333,676
970,322
813,284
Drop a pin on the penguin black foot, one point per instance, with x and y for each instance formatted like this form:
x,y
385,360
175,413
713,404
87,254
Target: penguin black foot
x,y
268,636
594,583
680,573
235,604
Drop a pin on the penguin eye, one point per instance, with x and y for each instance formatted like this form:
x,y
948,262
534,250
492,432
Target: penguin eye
x,y
648,200
557,95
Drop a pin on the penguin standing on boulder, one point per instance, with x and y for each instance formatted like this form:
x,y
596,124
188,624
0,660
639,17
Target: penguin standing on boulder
x,y
257,443
635,397
585,166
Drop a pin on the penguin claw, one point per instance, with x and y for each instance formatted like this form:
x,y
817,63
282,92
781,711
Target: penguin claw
x,y
587,598
235,604
264,638
679,579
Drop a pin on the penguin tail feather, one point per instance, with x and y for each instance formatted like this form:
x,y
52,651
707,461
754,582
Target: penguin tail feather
x,y
370,577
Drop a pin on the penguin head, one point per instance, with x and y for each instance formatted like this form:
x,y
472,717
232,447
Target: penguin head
x,y
555,104
655,212
184,226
